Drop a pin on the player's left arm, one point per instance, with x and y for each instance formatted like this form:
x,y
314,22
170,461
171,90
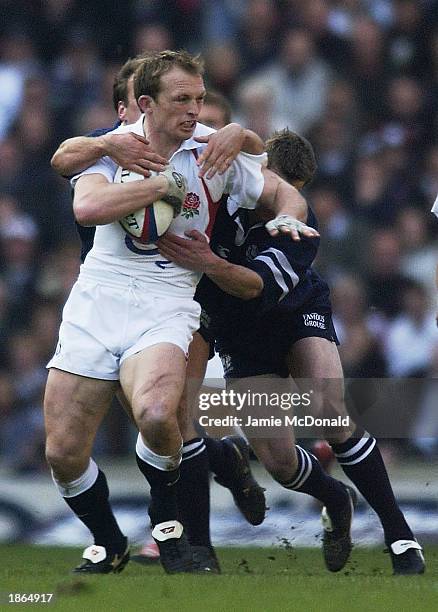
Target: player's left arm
x,y
223,147
196,254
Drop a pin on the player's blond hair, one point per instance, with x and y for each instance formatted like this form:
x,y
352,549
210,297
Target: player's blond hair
x,y
147,80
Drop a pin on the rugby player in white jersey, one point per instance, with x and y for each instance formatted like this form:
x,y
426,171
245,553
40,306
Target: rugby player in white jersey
x,y
106,339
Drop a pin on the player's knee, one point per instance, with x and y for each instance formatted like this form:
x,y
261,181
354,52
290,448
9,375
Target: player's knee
x,y
156,416
66,461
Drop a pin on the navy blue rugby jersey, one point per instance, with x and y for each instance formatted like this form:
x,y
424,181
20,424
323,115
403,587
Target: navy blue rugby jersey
x,y
285,267
86,234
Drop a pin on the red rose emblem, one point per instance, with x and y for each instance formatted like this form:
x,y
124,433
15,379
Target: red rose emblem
x,y
191,205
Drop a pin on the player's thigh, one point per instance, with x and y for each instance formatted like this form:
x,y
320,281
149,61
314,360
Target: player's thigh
x,y
74,407
314,358
153,381
316,366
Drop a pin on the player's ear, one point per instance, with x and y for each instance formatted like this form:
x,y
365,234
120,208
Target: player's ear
x,y
145,103
121,111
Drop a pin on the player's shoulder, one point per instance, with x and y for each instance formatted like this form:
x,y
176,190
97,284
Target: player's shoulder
x,y
102,131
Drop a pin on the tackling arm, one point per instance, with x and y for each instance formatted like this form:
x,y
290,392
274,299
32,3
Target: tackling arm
x,y
195,254
224,146
285,206
129,150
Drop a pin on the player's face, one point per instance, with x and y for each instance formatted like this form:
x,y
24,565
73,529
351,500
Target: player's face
x,y
177,106
213,116
129,112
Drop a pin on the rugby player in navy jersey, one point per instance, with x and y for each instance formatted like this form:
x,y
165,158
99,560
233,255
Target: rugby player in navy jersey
x,y
270,314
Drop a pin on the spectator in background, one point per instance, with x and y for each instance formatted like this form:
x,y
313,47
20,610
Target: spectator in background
x,y
340,234
365,66
223,69
360,351
411,336
258,36
384,281
419,252
24,430
300,80
18,62
151,37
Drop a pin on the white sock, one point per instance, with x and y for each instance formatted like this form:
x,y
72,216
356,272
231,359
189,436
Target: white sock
x,y
81,484
165,463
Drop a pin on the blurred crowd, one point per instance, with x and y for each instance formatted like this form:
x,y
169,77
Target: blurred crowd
x,y
359,78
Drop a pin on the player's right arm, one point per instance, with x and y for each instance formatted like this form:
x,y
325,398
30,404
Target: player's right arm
x,y
97,201
128,150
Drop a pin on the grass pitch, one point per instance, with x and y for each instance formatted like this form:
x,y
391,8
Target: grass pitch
x,y
253,579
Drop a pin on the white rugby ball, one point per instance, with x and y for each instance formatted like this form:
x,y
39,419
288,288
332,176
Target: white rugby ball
x,y
147,224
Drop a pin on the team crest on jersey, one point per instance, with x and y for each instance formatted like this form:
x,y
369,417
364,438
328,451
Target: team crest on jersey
x,y
252,251
191,205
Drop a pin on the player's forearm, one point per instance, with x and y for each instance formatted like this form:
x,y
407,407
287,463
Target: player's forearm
x,y
252,144
99,204
280,198
237,281
77,154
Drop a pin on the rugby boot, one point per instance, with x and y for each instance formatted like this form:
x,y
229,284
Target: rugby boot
x,y
248,495
175,551
336,541
205,560
98,561
407,558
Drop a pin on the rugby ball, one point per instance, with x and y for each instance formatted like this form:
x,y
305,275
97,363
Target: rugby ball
x,y
147,224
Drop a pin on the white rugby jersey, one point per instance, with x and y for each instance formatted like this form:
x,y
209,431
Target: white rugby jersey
x,y
114,252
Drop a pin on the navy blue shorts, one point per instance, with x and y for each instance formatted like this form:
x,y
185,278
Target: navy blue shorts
x,y
266,353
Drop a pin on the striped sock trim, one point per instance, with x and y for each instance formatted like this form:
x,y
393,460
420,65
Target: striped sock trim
x,y
303,472
165,463
358,452
81,484
193,448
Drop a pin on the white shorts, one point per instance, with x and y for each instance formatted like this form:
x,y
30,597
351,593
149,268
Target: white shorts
x,y
104,323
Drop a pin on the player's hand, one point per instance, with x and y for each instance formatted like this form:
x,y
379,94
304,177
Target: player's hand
x,y
222,149
194,254
285,224
133,152
177,188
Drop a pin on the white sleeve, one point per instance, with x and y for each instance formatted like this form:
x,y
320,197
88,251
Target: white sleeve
x,y
435,207
245,180
105,166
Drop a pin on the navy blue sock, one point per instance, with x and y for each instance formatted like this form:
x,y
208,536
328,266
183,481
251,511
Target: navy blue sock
x,y
220,458
360,459
310,478
193,491
163,506
93,509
